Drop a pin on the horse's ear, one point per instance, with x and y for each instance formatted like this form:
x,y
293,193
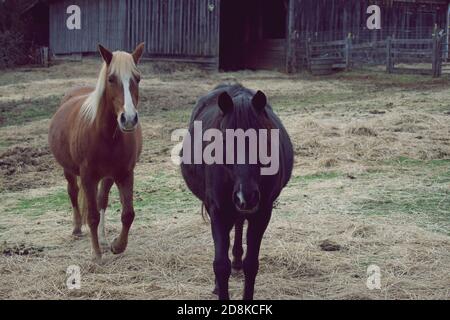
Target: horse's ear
x,y
225,103
106,54
137,53
259,101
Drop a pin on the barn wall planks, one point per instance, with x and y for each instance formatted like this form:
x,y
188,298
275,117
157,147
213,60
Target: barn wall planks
x,y
188,30
101,21
327,20
180,29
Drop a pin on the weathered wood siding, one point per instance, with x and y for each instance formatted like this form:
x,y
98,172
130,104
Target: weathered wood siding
x,y
188,30
102,21
327,20
176,29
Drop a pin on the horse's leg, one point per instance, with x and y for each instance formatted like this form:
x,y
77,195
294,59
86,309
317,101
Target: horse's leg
x,y
125,186
222,265
89,186
72,190
255,233
102,203
238,251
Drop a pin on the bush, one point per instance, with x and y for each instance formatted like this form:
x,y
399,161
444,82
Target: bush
x,y
13,49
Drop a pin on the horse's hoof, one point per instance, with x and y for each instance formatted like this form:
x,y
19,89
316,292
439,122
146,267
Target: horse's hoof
x,y
117,248
215,291
77,234
236,265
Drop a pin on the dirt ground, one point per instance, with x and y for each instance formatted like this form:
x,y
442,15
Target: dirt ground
x,y
370,187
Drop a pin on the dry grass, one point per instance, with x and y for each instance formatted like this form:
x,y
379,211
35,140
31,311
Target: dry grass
x,y
371,176
171,259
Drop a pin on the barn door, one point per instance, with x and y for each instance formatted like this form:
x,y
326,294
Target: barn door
x,y
186,30
253,34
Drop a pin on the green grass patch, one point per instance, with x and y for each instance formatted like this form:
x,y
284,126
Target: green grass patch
x,y
173,114
410,187
319,176
410,201
159,193
5,144
404,81
286,102
23,111
35,207
405,161
443,178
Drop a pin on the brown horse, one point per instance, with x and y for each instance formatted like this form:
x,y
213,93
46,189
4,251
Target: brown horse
x,y
96,135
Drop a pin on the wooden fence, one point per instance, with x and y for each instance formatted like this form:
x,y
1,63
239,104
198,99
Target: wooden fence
x,y
413,52
399,55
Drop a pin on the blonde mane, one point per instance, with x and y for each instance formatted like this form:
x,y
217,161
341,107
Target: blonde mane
x,y
123,66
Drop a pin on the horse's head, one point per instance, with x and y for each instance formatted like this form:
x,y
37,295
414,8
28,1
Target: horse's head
x,y
245,115
122,85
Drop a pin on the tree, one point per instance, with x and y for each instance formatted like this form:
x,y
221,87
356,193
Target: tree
x,y
13,47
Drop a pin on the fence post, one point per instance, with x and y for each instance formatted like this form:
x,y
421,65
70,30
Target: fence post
x,y
45,56
433,56
42,57
436,56
441,40
389,63
439,55
291,61
308,53
348,52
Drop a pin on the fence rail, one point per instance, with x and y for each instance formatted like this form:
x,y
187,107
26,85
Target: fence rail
x,y
323,57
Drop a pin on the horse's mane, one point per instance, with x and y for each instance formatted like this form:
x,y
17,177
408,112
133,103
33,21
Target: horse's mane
x,y
90,105
122,65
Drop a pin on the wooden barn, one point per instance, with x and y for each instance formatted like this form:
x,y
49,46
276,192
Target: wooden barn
x,y
232,34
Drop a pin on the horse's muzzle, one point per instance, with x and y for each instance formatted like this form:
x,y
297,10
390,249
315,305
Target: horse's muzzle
x,y
246,203
128,123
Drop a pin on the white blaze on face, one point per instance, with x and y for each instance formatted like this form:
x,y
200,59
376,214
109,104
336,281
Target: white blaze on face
x,y
124,68
240,195
129,107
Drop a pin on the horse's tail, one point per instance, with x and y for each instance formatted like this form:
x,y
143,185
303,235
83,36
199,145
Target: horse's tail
x,y
82,204
205,215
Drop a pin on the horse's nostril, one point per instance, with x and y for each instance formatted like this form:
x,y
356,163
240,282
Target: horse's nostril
x,y
123,119
136,118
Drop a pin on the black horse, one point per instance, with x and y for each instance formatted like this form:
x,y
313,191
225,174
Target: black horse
x,y
233,193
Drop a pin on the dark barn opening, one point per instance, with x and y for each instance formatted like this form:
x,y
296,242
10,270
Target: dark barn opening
x,y
252,34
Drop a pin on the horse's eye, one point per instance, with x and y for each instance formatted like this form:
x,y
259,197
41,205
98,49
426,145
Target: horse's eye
x,y
138,79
